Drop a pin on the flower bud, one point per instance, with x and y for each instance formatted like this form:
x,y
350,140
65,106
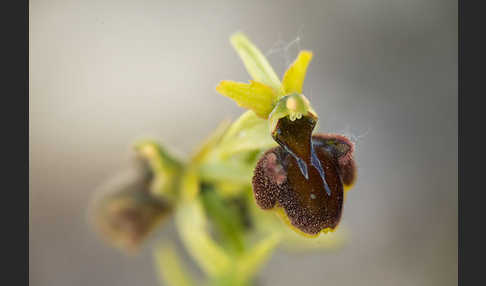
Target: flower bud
x,y
127,216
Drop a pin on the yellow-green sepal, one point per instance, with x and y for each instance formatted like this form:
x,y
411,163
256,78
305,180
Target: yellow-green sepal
x,y
293,80
255,62
254,96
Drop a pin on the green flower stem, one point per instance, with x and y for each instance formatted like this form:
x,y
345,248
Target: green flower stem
x,y
191,222
170,268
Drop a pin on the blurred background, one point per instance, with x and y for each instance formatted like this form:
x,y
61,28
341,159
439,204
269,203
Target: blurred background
x,y
104,73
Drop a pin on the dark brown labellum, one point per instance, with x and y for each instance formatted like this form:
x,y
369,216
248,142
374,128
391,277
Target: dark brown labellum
x,y
305,175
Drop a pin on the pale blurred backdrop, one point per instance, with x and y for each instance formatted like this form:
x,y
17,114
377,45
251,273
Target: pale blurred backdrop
x,y
105,73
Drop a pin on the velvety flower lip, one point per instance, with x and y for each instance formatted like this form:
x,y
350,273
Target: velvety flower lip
x,y
278,183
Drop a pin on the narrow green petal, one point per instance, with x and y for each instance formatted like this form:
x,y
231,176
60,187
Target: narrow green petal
x,y
255,96
255,62
170,268
293,80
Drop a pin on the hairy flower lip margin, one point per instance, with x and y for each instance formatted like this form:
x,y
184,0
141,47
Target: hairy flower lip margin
x,y
272,190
